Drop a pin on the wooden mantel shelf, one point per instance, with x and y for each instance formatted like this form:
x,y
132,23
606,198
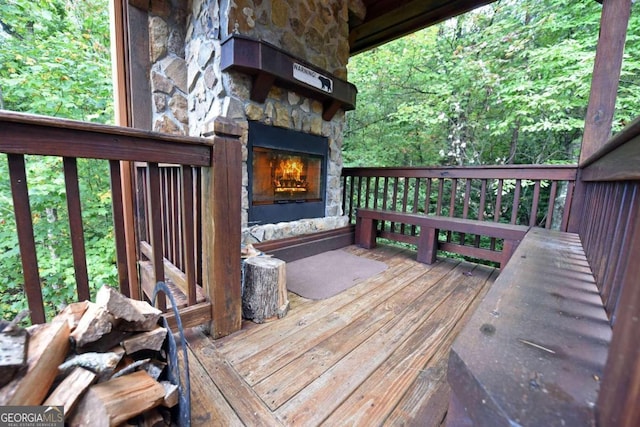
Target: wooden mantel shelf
x,y
270,65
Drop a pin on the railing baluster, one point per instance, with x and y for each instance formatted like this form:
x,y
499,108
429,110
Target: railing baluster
x,y
385,196
516,201
376,185
394,201
367,192
483,201
155,225
359,197
344,197
24,226
498,210
352,215
552,204
405,199
533,218
188,233
440,195
427,201
75,227
118,227
465,205
416,202
452,203
567,203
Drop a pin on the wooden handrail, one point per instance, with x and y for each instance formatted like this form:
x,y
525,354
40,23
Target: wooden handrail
x,y
452,191
23,134
46,136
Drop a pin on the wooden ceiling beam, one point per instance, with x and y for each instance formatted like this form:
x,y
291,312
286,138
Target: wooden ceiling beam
x,y
387,20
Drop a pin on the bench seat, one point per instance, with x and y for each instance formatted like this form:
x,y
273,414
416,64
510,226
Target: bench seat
x,y
430,225
533,352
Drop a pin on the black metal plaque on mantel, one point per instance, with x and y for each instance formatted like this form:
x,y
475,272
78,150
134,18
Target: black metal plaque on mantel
x,y
271,65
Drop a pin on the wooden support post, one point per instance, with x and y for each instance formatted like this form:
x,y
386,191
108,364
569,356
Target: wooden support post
x,y
221,206
427,245
606,75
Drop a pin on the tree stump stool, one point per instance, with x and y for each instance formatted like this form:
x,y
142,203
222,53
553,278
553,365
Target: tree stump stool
x,y
265,289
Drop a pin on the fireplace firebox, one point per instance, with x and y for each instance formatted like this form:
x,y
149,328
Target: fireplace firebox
x,y
287,174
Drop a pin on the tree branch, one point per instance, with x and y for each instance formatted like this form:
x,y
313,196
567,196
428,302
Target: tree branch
x,y
9,30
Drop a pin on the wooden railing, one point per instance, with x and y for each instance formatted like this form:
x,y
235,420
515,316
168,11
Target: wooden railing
x,y
180,232
168,204
606,215
531,195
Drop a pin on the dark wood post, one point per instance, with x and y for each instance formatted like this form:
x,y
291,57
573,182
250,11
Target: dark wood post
x,y
606,75
221,211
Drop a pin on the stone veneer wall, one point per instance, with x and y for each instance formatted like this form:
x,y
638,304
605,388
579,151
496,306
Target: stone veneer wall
x,y
190,90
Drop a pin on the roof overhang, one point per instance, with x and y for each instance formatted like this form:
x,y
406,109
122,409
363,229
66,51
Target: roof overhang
x,y
375,22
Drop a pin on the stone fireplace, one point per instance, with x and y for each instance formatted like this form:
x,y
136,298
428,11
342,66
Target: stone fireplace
x,y
276,68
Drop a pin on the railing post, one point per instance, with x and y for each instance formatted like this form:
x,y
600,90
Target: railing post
x,y
221,212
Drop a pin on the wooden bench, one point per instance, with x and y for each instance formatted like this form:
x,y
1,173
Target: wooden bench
x,y
535,349
430,226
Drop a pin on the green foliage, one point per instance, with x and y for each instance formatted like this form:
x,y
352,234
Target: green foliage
x,y
55,61
507,83
55,58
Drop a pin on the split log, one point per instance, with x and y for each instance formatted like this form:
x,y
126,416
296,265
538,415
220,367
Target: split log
x,y
106,343
154,418
265,289
72,313
13,353
171,394
94,324
151,340
137,315
115,401
68,392
47,349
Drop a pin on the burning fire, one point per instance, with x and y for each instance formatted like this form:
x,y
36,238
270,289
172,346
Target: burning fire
x,y
290,175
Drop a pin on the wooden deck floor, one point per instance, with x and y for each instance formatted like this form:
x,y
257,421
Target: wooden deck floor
x,y
375,354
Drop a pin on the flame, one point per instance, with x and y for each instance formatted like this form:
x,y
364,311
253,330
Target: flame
x,y
291,169
289,175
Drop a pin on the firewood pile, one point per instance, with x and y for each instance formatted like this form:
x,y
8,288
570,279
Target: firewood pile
x,y
105,362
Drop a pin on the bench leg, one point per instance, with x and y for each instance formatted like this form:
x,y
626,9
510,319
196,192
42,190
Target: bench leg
x,y
508,247
366,231
427,245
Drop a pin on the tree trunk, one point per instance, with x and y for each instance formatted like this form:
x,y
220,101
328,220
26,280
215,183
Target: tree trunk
x,y
265,289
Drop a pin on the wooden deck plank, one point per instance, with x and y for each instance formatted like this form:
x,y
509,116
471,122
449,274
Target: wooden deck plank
x,y
426,401
387,338
312,405
307,365
238,347
379,394
208,405
282,352
249,408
